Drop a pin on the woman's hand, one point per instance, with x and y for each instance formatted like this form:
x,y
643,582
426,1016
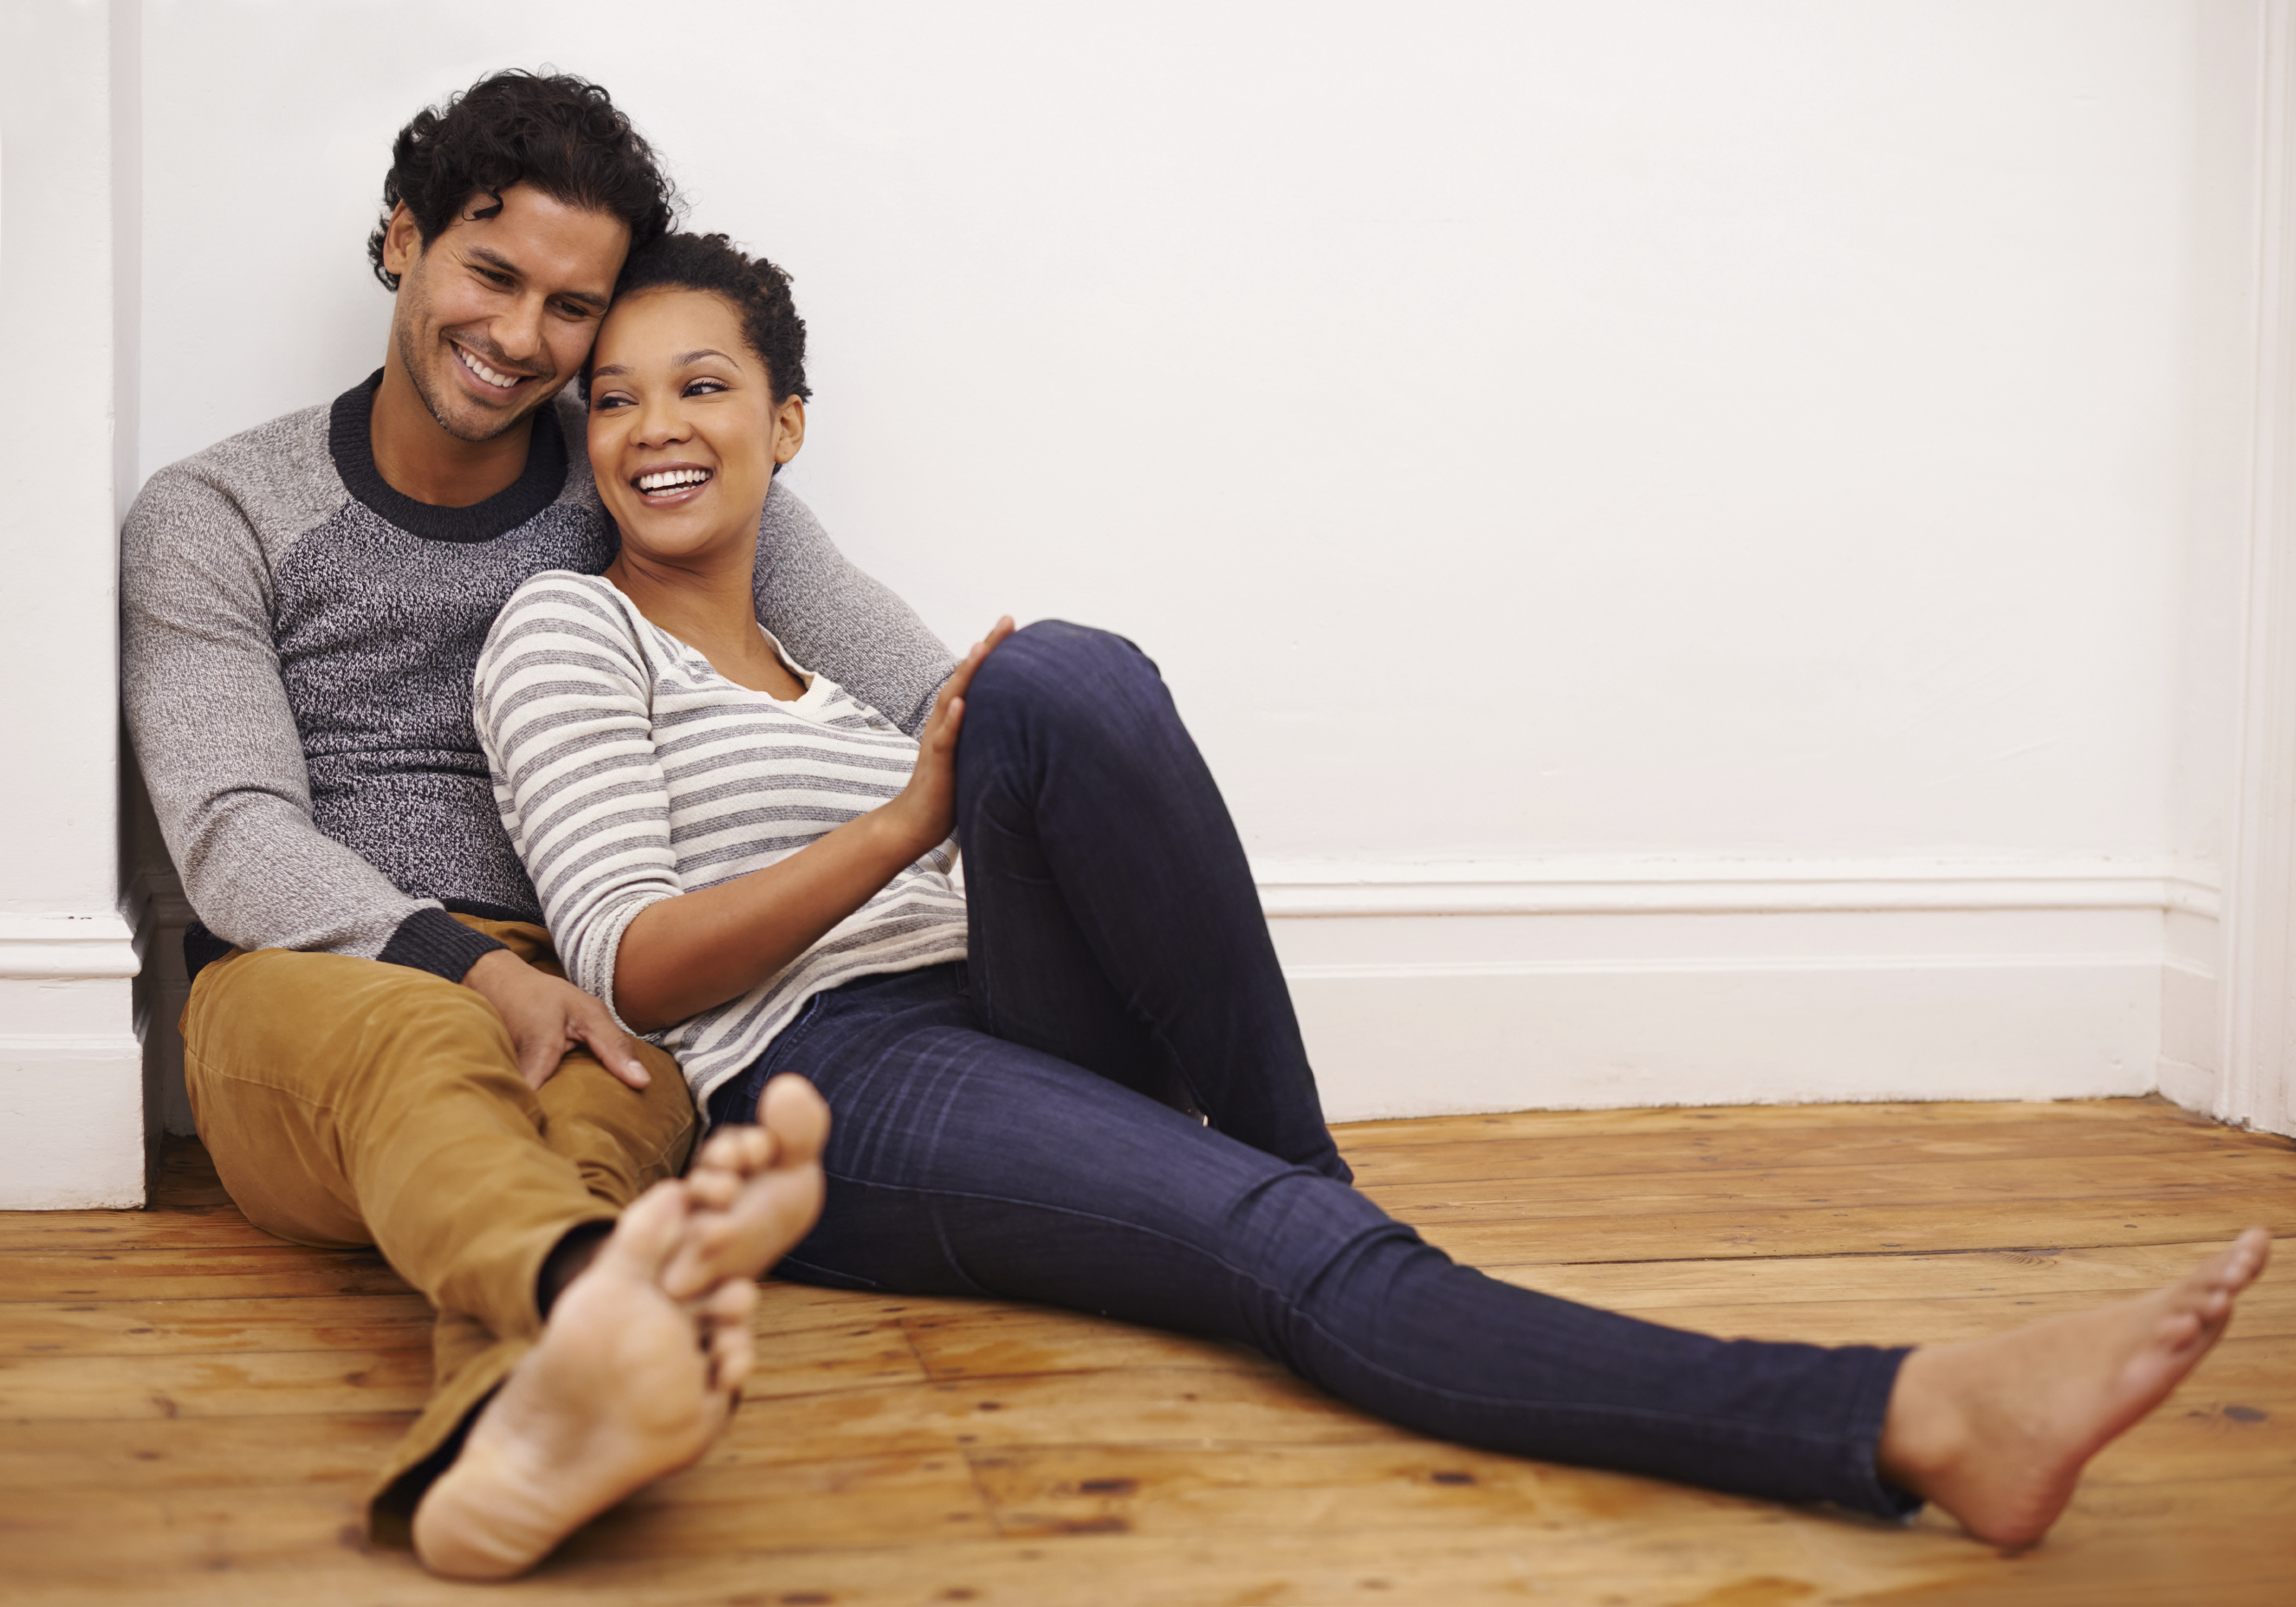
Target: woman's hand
x,y
926,807
683,955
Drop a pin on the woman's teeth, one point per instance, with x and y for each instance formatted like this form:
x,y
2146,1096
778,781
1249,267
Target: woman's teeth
x,y
664,479
492,376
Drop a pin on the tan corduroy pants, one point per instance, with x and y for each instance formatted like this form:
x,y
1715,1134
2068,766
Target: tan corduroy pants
x,y
349,1103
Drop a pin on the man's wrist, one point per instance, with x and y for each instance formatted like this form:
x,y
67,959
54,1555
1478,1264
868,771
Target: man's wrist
x,y
470,977
431,939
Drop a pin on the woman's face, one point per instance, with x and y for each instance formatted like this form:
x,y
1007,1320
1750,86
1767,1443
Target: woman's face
x,y
685,432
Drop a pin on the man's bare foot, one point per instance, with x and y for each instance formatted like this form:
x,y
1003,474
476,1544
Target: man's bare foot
x,y
621,1390
756,1190
1996,1430
643,1358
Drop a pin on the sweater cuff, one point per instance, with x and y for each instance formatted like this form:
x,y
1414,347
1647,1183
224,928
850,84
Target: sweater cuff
x,y
432,940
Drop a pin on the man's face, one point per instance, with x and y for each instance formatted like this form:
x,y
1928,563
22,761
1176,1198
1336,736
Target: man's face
x,y
497,312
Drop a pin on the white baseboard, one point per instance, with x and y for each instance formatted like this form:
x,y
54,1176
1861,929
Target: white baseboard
x,y
73,1134
71,1122
1433,988
1572,984
1589,1038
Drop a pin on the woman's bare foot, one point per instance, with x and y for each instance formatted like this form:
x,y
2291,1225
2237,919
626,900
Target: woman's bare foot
x,y
756,1190
1996,1430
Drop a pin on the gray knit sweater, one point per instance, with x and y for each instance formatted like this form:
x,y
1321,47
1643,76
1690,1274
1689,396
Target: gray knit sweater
x,y
299,640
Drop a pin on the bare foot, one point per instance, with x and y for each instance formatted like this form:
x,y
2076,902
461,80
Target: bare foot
x,y
756,1190
1996,1430
627,1385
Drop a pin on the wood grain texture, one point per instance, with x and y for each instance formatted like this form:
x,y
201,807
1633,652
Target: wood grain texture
x,y
190,1410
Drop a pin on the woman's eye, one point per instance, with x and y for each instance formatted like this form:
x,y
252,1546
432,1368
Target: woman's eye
x,y
703,388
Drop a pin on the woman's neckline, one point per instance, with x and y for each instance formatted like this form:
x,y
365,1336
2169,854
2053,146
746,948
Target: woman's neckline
x,y
813,681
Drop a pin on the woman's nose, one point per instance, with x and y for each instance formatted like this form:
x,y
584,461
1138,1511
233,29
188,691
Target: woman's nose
x,y
659,421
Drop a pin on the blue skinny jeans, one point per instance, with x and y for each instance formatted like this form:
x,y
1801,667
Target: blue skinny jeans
x,y
1016,1127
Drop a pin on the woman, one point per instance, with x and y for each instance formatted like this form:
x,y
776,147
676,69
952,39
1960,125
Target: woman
x,y
1080,1081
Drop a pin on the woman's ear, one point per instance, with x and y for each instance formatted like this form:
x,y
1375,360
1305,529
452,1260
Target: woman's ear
x,y
789,427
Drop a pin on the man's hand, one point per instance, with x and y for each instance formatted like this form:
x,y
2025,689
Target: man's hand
x,y
548,1016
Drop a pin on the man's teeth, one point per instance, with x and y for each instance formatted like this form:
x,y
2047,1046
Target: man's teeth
x,y
492,376
662,479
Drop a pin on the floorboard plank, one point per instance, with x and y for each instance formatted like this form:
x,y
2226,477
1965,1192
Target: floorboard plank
x,y
272,1272
1539,1154
98,1232
213,1328
1495,1237
2057,1180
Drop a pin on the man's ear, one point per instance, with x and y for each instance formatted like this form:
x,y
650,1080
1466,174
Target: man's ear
x,y
789,434
402,242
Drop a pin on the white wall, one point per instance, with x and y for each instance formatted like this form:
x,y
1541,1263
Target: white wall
x,y
1671,428
72,1107
1691,533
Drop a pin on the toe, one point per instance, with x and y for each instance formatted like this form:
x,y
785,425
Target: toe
x,y
649,1232
733,1352
723,1151
797,1116
731,1301
712,1188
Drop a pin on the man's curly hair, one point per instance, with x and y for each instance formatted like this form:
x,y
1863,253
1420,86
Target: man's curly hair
x,y
560,133
757,290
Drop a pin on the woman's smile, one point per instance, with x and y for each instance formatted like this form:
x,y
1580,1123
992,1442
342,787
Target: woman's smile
x,y
671,485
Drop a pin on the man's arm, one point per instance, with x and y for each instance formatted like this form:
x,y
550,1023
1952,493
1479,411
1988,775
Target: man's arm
x,y
218,746
834,619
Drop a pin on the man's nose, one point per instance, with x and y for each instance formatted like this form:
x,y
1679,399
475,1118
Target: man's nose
x,y
519,330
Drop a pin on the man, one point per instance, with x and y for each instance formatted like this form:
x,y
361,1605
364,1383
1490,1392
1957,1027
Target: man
x,y
379,1047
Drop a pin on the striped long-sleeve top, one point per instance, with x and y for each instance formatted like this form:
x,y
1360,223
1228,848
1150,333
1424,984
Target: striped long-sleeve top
x,y
629,771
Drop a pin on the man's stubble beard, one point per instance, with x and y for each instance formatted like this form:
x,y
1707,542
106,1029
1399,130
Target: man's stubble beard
x,y
421,378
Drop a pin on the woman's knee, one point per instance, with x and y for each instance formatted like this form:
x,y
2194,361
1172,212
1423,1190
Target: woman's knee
x,y
1071,673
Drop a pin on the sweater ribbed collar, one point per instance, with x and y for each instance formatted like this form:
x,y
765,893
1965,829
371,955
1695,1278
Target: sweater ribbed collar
x,y
537,485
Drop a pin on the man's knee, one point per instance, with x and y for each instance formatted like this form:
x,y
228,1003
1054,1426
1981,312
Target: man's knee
x,y
622,1139
287,1055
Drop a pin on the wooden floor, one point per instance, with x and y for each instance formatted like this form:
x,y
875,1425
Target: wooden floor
x,y
189,1410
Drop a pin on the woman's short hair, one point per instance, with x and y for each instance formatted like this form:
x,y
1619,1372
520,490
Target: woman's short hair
x,y
560,133
757,290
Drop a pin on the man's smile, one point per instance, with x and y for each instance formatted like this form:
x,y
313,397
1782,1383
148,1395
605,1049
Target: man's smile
x,y
485,372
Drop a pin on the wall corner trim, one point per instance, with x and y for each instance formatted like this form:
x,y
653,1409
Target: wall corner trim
x,y
66,947
1306,889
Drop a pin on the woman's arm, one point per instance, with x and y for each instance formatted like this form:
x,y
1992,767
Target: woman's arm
x,y
682,956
